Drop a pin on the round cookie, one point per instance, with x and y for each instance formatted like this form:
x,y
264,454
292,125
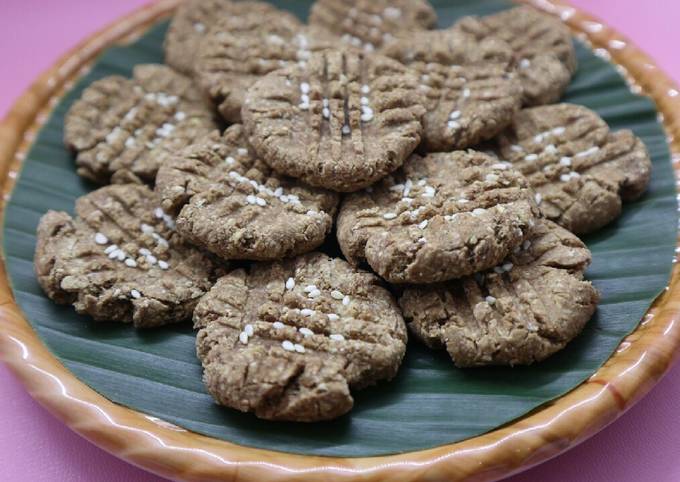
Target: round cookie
x,y
120,259
518,313
580,171
342,121
288,340
195,18
542,43
368,24
471,91
240,50
125,126
232,204
440,217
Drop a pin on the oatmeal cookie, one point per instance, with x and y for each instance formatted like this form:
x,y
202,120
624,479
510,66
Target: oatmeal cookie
x,y
440,217
121,127
470,88
581,171
234,205
120,259
342,121
518,313
288,340
544,50
370,24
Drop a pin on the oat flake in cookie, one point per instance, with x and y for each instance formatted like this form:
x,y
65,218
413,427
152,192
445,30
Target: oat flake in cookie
x,y
544,50
580,171
439,217
288,340
470,88
231,203
342,121
195,18
518,313
120,259
125,126
369,24
239,50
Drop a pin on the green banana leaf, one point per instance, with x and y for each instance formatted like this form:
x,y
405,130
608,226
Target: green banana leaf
x,y
430,402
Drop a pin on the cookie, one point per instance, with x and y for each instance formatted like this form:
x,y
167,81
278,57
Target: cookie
x,y
120,259
342,121
122,125
289,340
369,24
471,92
194,19
241,49
440,217
543,46
232,204
581,172
518,313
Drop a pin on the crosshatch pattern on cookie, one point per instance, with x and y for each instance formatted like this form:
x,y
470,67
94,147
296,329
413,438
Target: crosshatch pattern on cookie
x,y
439,217
233,204
520,312
580,171
342,121
470,88
287,340
132,125
369,24
121,259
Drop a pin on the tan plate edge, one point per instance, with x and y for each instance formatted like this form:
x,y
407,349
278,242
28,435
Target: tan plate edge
x,y
639,362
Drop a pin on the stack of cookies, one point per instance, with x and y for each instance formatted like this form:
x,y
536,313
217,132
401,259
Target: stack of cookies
x,y
454,191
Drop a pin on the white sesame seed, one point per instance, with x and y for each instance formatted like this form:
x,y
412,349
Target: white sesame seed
x,y
99,238
453,124
146,229
588,152
558,131
131,263
152,259
326,113
565,161
565,177
288,345
538,138
538,198
249,330
243,337
290,284
423,224
110,249
491,177
422,240
333,317
337,295
454,115
304,88
550,149
199,27
500,165
180,116
478,211
345,300
163,264
309,288
159,213
299,348
516,148
305,331
144,252
429,191
389,215
336,337
490,299
278,325
121,255
524,63
314,293
507,266
463,200
307,312
574,175
365,89
526,244
260,201
531,157
250,199
364,100
130,142
346,130
135,294
466,93
230,160
498,270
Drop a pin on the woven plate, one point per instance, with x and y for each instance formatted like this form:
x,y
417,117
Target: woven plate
x,y
177,453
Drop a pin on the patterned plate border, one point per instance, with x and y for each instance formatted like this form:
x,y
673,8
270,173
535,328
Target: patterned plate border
x,y
639,362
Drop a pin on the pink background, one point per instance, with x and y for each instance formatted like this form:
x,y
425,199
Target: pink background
x,y
641,445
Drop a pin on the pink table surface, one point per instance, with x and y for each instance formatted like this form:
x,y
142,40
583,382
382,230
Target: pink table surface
x,y
34,446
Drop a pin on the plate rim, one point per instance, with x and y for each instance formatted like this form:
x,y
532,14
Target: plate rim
x,y
641,359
